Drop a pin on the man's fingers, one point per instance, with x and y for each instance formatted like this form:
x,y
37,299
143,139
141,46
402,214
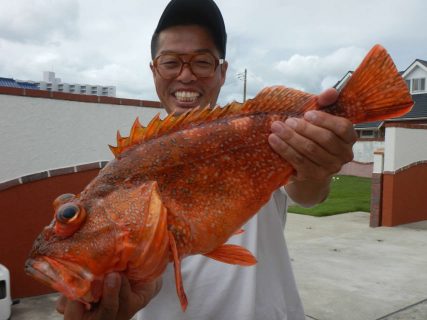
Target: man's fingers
x,y
109,304
327,97
299,148
74,310
341,127
60,304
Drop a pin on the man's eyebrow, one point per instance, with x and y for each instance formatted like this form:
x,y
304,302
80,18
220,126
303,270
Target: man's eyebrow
x,y
177,52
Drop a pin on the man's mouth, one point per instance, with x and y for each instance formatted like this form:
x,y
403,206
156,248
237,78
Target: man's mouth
x,y
186,96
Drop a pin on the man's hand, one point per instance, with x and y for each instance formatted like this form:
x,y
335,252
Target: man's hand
x,y
119,300
317,146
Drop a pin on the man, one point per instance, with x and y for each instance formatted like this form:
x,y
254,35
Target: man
x,y
188,51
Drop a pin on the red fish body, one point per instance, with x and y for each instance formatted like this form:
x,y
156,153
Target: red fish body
x,y
184,185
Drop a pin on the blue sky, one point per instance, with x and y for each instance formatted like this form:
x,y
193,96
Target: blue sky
x,y
307,45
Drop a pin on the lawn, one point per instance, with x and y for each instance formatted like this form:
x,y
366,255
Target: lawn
x,y
347,194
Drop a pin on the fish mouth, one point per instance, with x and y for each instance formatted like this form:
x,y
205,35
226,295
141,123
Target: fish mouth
x,y
70,279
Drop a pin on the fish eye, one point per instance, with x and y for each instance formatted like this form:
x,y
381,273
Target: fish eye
x,y
67,212
62,199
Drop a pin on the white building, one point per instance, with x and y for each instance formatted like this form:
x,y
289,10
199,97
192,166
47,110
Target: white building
x,y
50,83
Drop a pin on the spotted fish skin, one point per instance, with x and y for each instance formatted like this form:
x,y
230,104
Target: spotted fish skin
x,y
183,185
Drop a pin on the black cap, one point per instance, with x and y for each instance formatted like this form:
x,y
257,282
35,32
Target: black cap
x,y
200,12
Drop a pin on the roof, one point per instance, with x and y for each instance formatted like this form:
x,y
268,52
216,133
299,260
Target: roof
x,y
423,62
369,125
419,111
416,62
11,83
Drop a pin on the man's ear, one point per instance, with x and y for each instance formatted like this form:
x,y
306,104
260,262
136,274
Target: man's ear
x,y
224,68
152,68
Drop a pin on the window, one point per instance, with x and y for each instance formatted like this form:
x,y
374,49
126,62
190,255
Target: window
x,y
2,289
367,134
418,84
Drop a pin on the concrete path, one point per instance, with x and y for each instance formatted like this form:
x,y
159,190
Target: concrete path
x,y
344,269
347,270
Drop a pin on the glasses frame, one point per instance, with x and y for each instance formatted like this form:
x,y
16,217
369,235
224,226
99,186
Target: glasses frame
x,y
218,61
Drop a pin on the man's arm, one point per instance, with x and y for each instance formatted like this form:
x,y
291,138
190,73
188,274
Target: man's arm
x,y
317,146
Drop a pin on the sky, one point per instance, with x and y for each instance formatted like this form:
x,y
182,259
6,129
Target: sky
x,y
308,45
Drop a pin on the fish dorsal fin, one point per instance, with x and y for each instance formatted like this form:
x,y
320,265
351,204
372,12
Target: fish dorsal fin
x,y
271,99
278,99
158,127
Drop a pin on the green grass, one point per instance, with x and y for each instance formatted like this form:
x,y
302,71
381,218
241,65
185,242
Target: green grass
x,y
347,194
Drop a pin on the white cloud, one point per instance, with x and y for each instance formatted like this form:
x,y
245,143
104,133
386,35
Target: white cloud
x,y
39,21
312,73
308,45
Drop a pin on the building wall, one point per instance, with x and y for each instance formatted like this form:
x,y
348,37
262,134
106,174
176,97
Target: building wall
x,y
364,150
51,143
25,209
39,134
404,145
416,73
400,177
404,191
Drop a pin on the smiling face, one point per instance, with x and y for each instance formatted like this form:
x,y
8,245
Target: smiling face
x,y
186,91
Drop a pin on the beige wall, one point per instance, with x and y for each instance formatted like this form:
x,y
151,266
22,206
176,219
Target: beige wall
x,y
38,134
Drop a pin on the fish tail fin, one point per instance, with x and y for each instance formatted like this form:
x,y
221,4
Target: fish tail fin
x,y
375,91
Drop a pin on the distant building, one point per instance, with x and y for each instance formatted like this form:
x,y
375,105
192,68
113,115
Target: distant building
x,y
50,83
11,83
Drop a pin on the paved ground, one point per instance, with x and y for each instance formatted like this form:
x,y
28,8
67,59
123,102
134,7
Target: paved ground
x,y
344,269
348,271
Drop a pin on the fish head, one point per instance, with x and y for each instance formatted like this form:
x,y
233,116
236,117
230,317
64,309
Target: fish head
x,y
73,253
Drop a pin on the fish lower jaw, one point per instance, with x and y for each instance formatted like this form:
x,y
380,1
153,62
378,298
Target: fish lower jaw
x,y
75,285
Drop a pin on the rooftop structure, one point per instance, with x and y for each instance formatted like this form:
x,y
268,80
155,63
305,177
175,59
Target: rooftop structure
x,y
50,83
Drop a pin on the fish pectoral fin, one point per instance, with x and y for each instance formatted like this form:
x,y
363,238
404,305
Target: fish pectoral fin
x,y
178,277
232,254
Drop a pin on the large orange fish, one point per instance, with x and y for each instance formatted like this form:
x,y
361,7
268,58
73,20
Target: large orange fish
x,y
183,185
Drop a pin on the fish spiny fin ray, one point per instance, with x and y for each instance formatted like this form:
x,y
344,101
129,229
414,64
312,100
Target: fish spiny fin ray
x,y
172,123
271,99
278,99
232,254
177,268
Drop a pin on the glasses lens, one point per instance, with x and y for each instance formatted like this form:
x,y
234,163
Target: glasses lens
x,y
168,65
203,65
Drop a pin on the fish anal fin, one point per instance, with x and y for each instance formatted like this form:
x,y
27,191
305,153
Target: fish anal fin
x,y
232,254
177,268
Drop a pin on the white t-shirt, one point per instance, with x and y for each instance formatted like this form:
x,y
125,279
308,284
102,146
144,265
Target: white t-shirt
x,y
221,291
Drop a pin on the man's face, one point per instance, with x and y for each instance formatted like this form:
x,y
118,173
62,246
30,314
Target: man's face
x,y
187,91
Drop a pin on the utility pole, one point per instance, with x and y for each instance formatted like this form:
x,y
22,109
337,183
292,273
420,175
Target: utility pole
x,y
243,76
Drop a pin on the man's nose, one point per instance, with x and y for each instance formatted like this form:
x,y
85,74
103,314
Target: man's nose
x,y
186,74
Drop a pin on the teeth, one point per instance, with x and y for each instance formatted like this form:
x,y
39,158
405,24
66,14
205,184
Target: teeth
x,y
186,96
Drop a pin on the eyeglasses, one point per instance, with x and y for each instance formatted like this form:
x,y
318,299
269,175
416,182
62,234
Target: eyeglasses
x,y
202,65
